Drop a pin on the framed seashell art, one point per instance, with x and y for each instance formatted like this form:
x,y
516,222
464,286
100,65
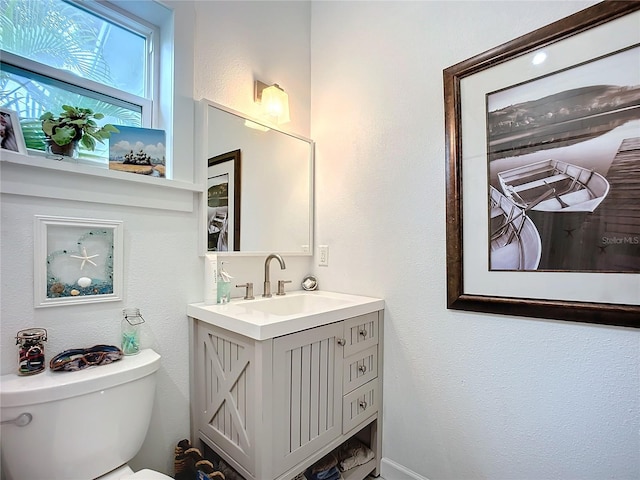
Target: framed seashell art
x,y
77,260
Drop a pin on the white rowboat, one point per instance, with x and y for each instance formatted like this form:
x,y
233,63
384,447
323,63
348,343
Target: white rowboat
x,y
515,241
554,186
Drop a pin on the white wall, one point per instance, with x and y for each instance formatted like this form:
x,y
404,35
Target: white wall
x,y
238,42
467,396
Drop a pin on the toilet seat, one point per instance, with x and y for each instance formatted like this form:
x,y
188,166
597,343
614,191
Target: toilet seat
x,y
126,473
147,474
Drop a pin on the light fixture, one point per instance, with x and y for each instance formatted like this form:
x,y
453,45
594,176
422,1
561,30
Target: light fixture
x,y
274,101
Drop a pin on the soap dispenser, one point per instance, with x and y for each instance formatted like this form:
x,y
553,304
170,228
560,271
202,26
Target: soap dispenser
x,y
224,285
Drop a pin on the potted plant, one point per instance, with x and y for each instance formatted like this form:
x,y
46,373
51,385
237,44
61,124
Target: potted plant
x,y
74,125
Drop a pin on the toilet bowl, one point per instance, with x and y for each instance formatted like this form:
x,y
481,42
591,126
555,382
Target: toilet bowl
x,y
81,425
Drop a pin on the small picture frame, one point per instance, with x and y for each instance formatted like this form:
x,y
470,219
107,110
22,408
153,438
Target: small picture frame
x,y
77,260
138,150
11,137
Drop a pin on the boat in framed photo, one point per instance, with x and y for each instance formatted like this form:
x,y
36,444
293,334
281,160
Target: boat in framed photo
x,y
515,242
554,186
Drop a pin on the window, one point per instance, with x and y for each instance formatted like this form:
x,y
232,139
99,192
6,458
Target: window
x,y
57,52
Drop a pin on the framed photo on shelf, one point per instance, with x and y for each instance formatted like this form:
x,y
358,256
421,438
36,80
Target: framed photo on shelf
x,y
138,150
543,172
77,260
11,137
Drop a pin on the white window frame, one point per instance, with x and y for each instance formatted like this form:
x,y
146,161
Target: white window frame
x,y
85,85
112,13
151,32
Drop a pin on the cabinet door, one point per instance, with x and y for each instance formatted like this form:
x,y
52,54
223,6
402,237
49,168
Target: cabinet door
x,y
307,397
224,391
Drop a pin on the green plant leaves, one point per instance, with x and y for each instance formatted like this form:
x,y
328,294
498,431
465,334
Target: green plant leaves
x,y
88,142
63,135
75,123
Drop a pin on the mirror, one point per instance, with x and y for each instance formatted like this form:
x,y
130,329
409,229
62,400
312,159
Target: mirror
x,y
259,185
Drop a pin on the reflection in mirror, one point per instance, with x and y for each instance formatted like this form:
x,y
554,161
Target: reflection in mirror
x,y
224,184
264,202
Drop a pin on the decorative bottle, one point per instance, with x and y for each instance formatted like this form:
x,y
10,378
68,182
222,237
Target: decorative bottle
x,y
31,350
224,285
131,324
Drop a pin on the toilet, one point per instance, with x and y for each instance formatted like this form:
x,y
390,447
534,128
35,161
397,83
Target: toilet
x,y
81,425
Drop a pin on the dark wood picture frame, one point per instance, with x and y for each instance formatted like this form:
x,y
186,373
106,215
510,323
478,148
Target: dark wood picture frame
x,y
235,157
457,297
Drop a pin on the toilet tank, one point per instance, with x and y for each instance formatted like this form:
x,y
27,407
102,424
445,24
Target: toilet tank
x,y
84,423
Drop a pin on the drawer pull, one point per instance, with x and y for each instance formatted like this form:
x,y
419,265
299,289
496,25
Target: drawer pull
x,y
362,368
363,332
342,342
363,404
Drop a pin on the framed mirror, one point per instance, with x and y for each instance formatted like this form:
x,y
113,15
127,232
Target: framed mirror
x,y
259,185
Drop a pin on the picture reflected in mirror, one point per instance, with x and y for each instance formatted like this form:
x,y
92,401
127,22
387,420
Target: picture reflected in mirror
x,y
223,202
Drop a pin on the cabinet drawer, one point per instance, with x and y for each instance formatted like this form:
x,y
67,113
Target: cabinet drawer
x,y
360,368
360,333
359,405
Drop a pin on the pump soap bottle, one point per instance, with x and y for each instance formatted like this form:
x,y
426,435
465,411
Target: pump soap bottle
x,y
210,279
224,285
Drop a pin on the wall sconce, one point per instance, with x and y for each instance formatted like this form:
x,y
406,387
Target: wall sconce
x,y
274,101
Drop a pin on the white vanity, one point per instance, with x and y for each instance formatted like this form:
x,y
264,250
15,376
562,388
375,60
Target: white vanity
x,y
278,383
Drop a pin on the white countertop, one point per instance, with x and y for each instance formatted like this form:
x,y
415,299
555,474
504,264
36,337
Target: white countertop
x,y
264,318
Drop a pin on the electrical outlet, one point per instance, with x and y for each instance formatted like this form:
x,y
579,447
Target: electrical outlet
x,y
323,254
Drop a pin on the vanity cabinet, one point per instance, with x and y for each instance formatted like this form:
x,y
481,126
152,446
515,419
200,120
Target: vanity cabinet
x,y
273,407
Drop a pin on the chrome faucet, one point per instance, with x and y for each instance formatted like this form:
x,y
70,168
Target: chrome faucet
x,y
267,280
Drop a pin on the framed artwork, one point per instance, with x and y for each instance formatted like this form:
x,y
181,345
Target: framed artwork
x,y
138,150
224,179
11,137
543,172
77,260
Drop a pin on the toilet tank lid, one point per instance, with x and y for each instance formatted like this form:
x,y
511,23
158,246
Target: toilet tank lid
x,y
49,386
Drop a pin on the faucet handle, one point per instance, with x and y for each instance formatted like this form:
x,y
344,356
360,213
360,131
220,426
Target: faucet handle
x,y
248,294
281,286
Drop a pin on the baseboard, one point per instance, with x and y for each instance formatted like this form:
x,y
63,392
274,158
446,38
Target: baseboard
x,y
390,470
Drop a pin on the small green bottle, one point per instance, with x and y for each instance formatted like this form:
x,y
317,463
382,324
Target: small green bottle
x,y
131,324
224,285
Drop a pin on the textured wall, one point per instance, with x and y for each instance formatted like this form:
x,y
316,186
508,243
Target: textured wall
x,y
467,396
240,42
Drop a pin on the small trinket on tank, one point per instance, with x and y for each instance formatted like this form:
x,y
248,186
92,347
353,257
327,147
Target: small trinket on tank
x,y
31,350
131,322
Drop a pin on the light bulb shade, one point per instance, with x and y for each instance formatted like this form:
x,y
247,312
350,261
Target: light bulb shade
x,y
275,104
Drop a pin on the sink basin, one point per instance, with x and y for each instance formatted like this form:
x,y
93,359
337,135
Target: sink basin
x,y
295,304
265,318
